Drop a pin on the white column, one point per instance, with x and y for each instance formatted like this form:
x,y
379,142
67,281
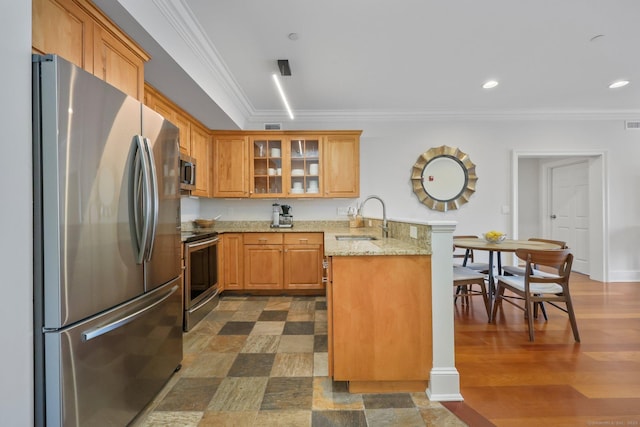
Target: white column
x,y
444,381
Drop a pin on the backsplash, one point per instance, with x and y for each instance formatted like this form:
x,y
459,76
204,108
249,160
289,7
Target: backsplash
x,y
400,230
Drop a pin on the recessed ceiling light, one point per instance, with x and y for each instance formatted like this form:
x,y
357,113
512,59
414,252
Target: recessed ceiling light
x,y
490,84
619,83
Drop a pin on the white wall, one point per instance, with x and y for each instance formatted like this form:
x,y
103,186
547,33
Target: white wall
x,y
389,150
16,336
528,198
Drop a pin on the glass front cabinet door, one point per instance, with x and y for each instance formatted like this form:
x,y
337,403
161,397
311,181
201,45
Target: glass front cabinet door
x,y
266,167
305,167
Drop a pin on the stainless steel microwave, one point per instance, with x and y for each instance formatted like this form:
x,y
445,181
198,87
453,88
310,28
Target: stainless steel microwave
x,y
187,172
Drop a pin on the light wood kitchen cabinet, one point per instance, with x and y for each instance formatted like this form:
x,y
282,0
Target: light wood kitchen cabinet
x,y
266,168
232,261
263,261
195,139
287,164
379,321
114,63
341,165
64,28
79,32
304,156
170,111
230,165
303,254
202,151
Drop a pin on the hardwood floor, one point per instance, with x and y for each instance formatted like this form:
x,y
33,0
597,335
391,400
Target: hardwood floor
x,y
554,381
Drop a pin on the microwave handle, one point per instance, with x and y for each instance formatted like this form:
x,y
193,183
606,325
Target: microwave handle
x,y
192,175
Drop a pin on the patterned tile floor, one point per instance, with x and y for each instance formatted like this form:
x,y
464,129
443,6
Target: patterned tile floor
x,y
262,361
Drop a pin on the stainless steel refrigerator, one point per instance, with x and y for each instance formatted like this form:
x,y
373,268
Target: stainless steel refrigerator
x,y
107,284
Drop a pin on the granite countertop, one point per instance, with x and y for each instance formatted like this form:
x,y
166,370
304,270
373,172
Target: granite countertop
x,y
332,247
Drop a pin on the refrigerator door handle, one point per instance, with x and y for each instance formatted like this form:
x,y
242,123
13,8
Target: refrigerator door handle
x,y
139,198
152,214
101,330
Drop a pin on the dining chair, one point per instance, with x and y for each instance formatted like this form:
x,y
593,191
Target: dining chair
x,y
464,280
515,270
468,253
532,288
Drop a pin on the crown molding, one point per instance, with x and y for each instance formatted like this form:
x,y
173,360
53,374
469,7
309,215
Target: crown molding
x,y
182,19
400,116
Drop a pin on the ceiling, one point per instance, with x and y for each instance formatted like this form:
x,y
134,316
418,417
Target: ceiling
x,y
389,60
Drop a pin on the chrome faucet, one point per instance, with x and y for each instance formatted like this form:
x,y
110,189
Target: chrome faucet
x,y
385,227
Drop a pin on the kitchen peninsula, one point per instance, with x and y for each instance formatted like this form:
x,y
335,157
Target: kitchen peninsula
x,y
378,299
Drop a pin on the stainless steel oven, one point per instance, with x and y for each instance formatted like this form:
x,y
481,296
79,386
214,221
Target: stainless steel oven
x,y
200,277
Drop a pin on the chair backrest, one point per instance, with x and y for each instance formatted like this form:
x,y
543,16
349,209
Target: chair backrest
x,y
558,259
559,243
464,251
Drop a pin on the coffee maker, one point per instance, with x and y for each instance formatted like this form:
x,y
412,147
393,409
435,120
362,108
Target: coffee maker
x,y
286,219
282,217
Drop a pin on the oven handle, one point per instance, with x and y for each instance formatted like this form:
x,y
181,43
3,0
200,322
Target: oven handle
x,y
201,243
204,302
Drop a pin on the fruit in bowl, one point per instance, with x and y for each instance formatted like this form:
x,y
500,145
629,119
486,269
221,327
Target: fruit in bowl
x,y
494,236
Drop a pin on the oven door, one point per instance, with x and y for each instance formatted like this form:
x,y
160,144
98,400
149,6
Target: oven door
x,y
201,280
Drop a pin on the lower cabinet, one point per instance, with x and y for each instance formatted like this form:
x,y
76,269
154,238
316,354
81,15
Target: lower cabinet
x,y
303,261
272,261
263,261
232,261
379,322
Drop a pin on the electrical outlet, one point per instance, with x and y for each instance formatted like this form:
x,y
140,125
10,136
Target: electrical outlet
x,y
413,231
343,211
370,223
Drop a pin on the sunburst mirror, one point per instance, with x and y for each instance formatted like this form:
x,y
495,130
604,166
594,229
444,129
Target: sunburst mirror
x,y
444,178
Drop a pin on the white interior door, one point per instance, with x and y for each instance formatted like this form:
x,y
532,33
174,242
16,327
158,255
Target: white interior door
x,y
570,211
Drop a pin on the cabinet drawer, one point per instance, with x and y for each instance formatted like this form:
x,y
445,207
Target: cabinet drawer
x,y
262,238
303,239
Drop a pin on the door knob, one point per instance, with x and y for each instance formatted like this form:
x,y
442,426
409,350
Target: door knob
x,y
553,216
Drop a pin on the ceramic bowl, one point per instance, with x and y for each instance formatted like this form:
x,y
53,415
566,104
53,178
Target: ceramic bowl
x,y
204,223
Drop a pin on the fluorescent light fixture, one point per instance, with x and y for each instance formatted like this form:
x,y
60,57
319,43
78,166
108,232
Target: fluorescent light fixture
x,y
619,83
490,84
282,95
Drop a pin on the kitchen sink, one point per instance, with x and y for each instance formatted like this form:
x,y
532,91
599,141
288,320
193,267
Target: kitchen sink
x,y
355,237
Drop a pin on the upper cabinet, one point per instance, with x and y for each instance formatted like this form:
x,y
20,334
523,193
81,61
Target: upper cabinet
x,y
341,165
170,111
265,166
79,32
202,151
230,165
304,155
283,164
195,139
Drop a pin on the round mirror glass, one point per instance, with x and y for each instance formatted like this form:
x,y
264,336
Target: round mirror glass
x,y
444,178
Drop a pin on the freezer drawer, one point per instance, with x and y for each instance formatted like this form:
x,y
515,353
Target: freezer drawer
x,y
105,370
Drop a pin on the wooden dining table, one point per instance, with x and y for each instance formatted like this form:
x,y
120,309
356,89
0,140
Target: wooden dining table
x,y
506,245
